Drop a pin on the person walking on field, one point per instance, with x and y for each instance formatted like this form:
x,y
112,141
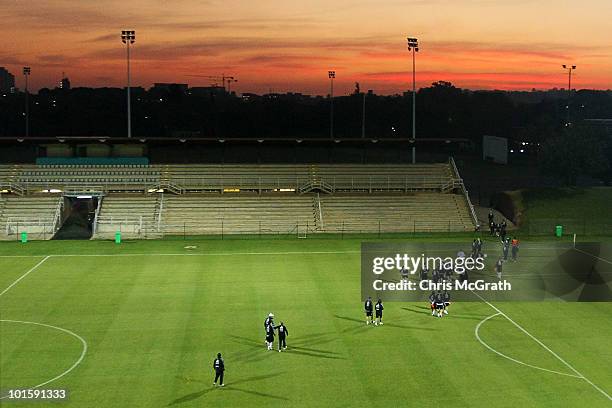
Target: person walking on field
x,y
379,313
506,248
282,336
219,367
268,322
515,248
502,230
498,268
369,308
270,337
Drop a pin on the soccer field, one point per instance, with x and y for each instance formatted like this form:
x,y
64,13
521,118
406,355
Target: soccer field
x,y
139,324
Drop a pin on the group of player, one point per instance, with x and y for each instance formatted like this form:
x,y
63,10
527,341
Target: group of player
x,y
510,245
497,229
370,308
477,248
444,273
439,302
219,364
271,334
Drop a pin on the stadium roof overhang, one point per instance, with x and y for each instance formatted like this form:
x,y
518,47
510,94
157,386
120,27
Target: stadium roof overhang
x,y
208,140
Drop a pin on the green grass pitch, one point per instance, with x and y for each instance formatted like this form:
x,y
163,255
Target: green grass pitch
x,y
152,323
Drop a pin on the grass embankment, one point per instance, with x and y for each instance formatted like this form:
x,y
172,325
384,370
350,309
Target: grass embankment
x,y
584,211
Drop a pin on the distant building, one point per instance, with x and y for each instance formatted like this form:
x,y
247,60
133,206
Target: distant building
x,y
247,96
64,84
168,87
7,81
296,95
207,90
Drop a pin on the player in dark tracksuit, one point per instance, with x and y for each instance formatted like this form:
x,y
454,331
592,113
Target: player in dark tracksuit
x,y
268,322
498,268
369,308
479,248
282,336
435,275
506,248
439,303
432,302
424,273
446,297
379,312
219,367
448,273
270,337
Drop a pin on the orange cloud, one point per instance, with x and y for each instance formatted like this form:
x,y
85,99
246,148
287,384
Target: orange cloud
x,y
290,46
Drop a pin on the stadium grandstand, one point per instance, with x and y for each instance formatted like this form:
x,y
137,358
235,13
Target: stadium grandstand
x,y
151,201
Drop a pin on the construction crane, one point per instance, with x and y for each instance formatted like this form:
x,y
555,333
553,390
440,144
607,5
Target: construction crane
x,y
222,78
229,81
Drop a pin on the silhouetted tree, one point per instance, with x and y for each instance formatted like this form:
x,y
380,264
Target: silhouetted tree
x,y
575,151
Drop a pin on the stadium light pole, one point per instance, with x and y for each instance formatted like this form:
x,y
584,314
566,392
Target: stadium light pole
x,y
413,45
26,74
569,69
363,116
128,37
331,75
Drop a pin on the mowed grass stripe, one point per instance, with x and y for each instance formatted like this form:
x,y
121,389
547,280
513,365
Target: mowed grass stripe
x,y
139,338
155,323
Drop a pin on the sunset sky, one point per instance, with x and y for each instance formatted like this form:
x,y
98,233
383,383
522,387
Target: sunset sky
x,y
289,45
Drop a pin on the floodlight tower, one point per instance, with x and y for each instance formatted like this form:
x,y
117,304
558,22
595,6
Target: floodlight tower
x,y
128,37
413,45
26,74
331,75
229,82
569,69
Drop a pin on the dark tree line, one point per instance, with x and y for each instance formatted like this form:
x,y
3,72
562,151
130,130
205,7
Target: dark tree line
x,y
577,151
442,111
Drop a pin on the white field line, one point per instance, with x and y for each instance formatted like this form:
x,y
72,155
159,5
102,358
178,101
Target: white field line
x,y
596,257
21,256
476,332
226,253
25,274
568,365
223,253
189,254
72,367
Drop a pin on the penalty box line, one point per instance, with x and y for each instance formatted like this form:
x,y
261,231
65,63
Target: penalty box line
x,y
568,365
25,274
